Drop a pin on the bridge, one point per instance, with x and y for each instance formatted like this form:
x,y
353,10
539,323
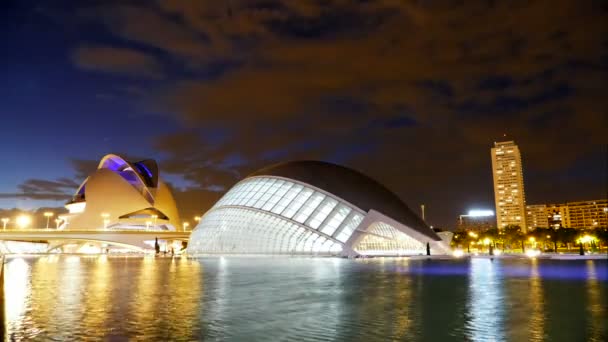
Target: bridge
x,y
128,239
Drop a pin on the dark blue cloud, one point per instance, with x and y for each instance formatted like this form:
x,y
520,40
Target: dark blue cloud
x,y
508,104
497,82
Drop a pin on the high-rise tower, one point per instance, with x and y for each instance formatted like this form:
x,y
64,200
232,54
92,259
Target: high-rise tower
x,y
508,185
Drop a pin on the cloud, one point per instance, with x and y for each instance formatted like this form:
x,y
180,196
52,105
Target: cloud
x,y
412,93
117,60
41,189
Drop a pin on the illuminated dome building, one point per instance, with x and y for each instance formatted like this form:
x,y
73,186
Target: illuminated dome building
x,y
312,208
121,195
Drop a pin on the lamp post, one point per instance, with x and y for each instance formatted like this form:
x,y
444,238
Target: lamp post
x,y
148,223
197,219
48,215
57,221
185,225
154,217
4,222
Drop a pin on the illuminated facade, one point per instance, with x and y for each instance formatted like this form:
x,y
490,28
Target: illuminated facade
x,y
476,221
311,208
537,216
580,214
508,185
122,195
585,214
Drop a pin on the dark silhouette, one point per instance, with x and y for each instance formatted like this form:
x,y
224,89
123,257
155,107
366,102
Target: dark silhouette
x,y
156,246
428,249
580,250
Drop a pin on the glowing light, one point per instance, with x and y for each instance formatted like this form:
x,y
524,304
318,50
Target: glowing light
x,y
481,213
77,207
532,239
532,253
23,221
471,234
486,241
586,239
185,225
197,218
89,249
4,222
458,253
497,252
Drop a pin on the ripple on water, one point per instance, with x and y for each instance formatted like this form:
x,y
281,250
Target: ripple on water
x,y
68,298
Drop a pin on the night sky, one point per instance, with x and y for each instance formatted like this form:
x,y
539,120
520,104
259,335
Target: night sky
x,y
412,93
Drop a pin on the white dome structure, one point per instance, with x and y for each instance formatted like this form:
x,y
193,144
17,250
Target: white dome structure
x,y
121,195
312,208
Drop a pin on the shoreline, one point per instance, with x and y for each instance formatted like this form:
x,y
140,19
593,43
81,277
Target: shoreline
x,y
413,257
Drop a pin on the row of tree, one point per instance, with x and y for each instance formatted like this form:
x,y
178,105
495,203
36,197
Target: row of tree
x,y
512,237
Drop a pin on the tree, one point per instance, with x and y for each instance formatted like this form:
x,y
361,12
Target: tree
x,y
513,235
567,235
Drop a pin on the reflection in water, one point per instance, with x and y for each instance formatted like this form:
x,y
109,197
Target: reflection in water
x,y
597,304
17,290
537,315
403,297
304,299
486,301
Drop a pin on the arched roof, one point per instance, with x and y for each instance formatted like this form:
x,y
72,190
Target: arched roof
x,y
146,170
350,185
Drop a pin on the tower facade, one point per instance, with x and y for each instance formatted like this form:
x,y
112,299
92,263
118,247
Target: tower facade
x,y
509,193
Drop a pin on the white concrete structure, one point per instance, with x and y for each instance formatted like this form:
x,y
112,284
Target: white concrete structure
x,y
312,208
509,193
48,240
121,195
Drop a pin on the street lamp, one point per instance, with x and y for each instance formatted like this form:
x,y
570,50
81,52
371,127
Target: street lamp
x,y
148,223
532,241
23,221
48,215
57,221
154,217
197,218
4,222
185,225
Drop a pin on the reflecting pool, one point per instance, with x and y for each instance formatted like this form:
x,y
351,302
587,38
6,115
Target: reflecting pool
x,y
305,299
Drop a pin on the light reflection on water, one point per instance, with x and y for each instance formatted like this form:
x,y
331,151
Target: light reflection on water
x,y
305,299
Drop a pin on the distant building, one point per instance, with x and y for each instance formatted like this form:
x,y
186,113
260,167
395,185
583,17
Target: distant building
x,y
476,220
581,214
556,215
537,216
586,214
508,185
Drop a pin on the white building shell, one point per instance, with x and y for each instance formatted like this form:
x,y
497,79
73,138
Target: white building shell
x,y
295,209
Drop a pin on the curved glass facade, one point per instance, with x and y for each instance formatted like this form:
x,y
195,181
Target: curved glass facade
x,y
271,215
275,215
384,239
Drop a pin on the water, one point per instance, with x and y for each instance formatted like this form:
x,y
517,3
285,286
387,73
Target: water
x,y
67,298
